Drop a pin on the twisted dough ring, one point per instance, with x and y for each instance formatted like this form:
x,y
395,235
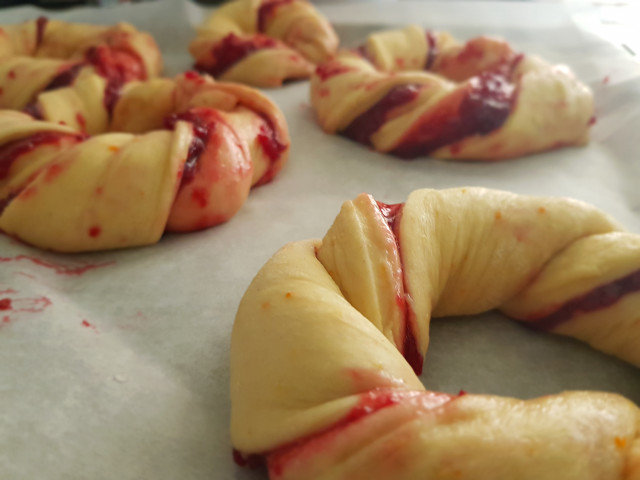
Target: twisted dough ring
x,y
120,52
63,191
478,101
263,42
319,385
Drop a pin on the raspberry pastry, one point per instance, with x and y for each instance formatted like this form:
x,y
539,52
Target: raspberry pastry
x,y
130,52
414,93
186,154
263,42
319,385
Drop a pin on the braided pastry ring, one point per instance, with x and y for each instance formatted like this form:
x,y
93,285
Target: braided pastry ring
x,y
319,385
263,42
130,53
477,101
63,191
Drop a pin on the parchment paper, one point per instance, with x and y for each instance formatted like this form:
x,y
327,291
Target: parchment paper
x,y
115,365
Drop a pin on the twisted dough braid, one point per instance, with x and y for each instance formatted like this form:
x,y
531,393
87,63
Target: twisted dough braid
x,y
319,385
212,142
134,53
263,42
410,93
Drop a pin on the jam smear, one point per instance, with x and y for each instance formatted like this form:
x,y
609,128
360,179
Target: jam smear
x,y
392,214
251,461
369,402
5,304
33,110
267,10
370,121
201,131
10,152
596,299
118,67
41,25
432,42
272,148
64,78
231,49
331,69
68,270
480,109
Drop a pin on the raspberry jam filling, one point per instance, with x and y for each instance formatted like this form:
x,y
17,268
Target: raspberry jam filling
x,y
272,148
594,300
482,108
369,403
365,125
10,152
432,42
392,215
198,144
41,25
267,10
63,79
231,49
331,69
118,67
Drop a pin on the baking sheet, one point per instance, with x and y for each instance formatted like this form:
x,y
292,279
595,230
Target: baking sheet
x,y
115,365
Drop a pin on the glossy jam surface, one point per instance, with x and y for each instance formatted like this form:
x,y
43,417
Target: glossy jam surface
x,y
370,121
392,214
267,10
596,299
231,49
118,67
478,110
198,144
272,148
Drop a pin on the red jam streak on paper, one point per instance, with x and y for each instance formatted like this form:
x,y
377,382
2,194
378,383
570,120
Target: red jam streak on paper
x,y
27,305
365,125
267,10
594,300
479,109
231,49
69,270
392,215
369,403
